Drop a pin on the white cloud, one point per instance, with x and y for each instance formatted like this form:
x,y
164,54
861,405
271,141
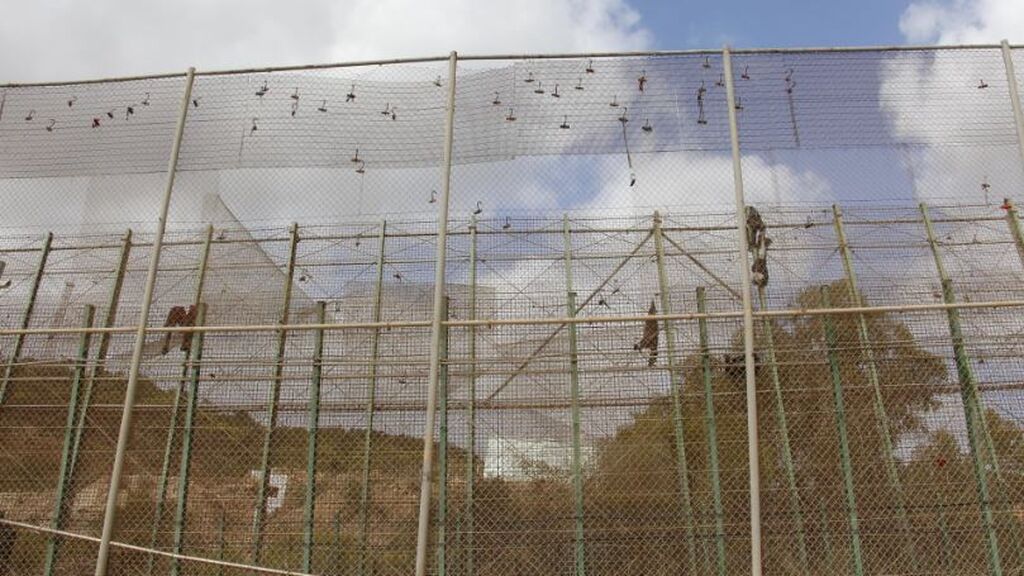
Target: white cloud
x,y
963,21
64,39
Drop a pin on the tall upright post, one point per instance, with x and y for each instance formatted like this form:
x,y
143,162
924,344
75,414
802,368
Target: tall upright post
x,y
574,391
709,404
172,427
426,477
753,448
312,427
868,355
26,317
772,364
832,345
61,501
442,450
371,400
1013,220
1011,82
676,384
187,433
468,522
259,517
973,415
110,514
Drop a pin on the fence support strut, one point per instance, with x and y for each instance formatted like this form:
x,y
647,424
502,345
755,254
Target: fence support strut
x,y
753,449
426,476
110,514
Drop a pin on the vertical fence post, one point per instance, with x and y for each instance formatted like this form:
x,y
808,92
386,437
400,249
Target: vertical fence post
x,y
259,517
1013,220
469,530
101,355
371,400
26,318
442,450
61,500
881,414
832,346
312,426
973,414
753,447
709,404
110,514
187,433
574,390
1011,81
676,384
426,476
161,490
771,362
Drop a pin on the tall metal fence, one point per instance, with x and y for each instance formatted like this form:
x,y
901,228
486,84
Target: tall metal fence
x,y
661,313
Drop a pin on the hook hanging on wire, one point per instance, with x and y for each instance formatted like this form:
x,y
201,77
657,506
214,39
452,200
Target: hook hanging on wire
x,y
253,129
555,92
73,99
624,117
985,187
433,197
30,116
590,66
721,80
539,89
95,122
511,115
387,109
129,111
746,73
351,96
355,158
110,113
437,81
790,83
195,101
701,119
479,208
647,126
507,224
295,107
739,103
982,85
323,105
642,80
145,101
50,125
263,90
615,102
497,99
707,62
362,167
295,95
565,123
579,83
529,78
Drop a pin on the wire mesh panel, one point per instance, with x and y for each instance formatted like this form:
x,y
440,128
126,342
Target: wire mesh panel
x,y
591,411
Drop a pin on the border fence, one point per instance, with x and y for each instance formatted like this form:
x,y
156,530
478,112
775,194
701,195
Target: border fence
x,y
730,312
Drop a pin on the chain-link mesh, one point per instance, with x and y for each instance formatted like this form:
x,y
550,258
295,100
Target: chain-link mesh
x,y
592,414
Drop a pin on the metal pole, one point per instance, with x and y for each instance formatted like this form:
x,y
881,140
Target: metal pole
x,y
881,415
676,383
574,390
780,415
471,408
1013,220
61,501
969,398
442,468
709,403
161,491
19,340
313,424
832,344
1011,82
275,393
371,400
426,476
110,515
185,463
101,354
753,449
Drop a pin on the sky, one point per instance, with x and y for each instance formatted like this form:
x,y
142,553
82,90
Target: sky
x,y
69,39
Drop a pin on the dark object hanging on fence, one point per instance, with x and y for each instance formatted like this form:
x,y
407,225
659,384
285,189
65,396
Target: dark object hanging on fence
x,y
180,316
649,339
